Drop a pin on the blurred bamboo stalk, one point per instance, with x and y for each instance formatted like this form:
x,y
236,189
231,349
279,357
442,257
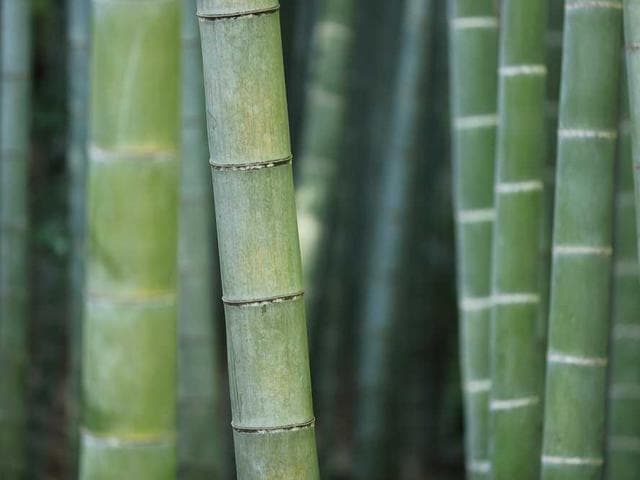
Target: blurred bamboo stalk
x,y
258,242
199,441
15,66
129,330
382,289
623,424
577,356
473,28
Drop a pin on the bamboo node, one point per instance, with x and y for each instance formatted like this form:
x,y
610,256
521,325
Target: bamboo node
x,y
522,70
232,15
475,121
245,167
464,23
479,466
604,251
593,4
474,304
578,361
575,461
481,215
478,386
585,133
516,298
513,403
519,187
279,429
263,301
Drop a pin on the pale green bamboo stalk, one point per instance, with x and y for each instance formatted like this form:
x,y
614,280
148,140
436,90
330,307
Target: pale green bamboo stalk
x,y
382,293
77,110
199,443
577,354
623,425
15,61
517,352
473,31
129,330
258,242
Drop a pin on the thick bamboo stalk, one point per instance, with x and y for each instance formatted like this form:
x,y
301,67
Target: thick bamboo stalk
x,y
77,110
517,352
129,330
322,140
15,61
258,242
577,354
382,292
473,31
198,438
623,425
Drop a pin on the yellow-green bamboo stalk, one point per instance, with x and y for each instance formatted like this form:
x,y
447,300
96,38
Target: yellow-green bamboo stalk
x,y
577,356
474,53
15,61
129,330
258,241
623,425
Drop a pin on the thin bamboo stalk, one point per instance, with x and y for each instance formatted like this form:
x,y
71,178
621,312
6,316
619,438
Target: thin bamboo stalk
x,y
198,439
382,294
258,242
577,354
15,61
77,107
473,31
517,352
623,426
129,330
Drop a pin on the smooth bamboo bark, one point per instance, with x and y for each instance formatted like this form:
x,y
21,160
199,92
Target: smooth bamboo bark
x,y
623,425
517,352
258,241
577,354
15,61
473,31
198,439
322,141
382,292
77,110
129,330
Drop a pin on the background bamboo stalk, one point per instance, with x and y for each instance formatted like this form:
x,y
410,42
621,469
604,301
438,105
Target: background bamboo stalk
x,y
258,242
77,108
473,31
15,62
580,285
382,289
199,442
129,330
623,425
517,352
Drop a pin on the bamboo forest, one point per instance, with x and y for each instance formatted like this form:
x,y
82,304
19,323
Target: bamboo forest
x,y
304,239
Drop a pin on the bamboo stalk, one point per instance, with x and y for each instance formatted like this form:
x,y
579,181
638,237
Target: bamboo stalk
x,y
623,426
580,285
258,243
15,61
382,294
517,353
473,28
129,330
198,439
77,106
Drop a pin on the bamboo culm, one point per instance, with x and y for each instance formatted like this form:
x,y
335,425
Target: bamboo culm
x,y
249,144
623,424
577,357
473,57
129,328
199,442
381,291
517,351
78,82
15,61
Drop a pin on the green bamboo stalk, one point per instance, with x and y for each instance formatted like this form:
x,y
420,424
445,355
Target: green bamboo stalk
x,y
77,106
632,45
129,330
517,352
473,90
623,426
15,61
198,439
577,354
382,292
258,243
322,140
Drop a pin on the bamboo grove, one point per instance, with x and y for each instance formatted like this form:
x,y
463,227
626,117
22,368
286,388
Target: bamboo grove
x,y
338,239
